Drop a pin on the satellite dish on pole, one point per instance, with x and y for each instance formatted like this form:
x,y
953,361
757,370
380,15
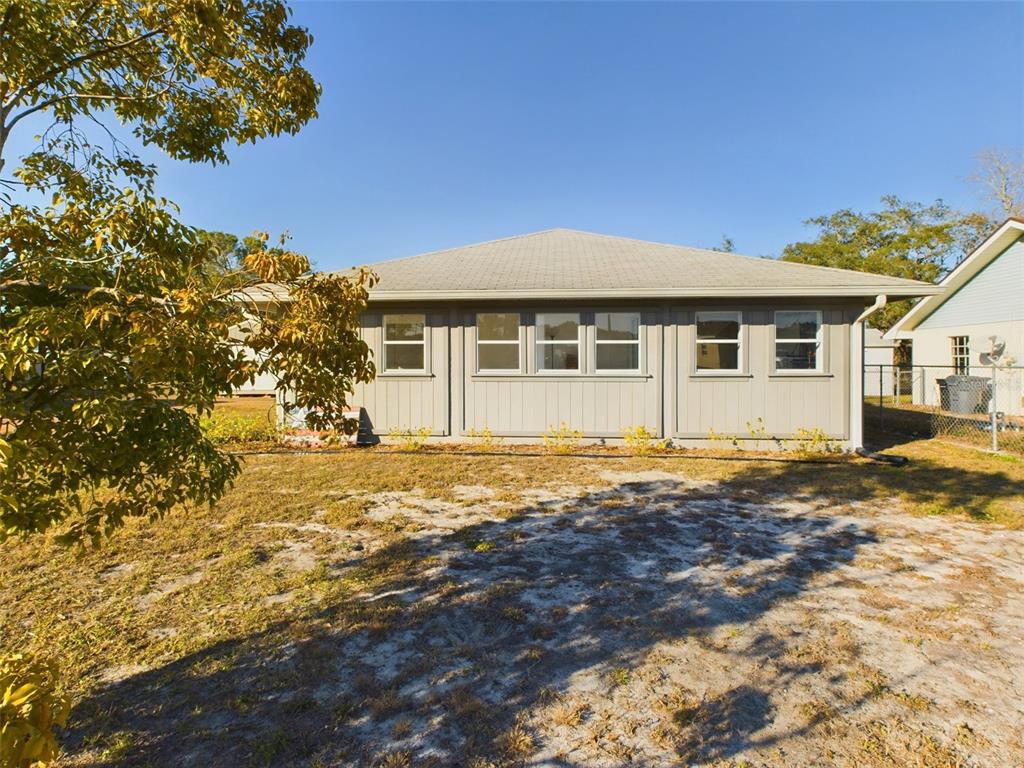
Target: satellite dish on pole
x,y
997,347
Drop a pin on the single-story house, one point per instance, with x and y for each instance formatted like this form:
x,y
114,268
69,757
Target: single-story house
x,y
603,334
982,297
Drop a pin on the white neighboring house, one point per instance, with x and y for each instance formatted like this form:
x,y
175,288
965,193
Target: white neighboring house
x,y
879,359
265,383
983,297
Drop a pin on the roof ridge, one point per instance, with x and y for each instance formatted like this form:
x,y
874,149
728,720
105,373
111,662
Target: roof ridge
x,y
687,248
462,247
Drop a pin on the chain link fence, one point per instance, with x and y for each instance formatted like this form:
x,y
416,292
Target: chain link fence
x,y
980,406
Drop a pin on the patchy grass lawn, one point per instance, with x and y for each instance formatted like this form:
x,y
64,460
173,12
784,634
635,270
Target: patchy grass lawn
x,y
257,407
397,609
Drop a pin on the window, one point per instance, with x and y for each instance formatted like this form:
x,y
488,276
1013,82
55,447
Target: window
x,y
404,343
617,341
718,341
497,341
558,341
798,340
961,354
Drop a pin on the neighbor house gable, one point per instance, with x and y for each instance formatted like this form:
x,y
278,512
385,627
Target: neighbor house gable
x,y
1003,282
992,295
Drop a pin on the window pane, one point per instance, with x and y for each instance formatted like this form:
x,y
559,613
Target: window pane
x,y
617,326
498,326
795,355
498,357
558,326
558,357
403,357
403,327
718,357
718,325
618,357
796,325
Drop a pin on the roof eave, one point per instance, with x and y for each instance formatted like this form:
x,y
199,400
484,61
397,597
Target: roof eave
x,y
865,292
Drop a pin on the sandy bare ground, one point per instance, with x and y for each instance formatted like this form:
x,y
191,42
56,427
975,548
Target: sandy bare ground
x,y
648,620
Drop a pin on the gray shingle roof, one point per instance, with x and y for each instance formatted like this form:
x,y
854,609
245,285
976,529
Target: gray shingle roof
x,y
567,263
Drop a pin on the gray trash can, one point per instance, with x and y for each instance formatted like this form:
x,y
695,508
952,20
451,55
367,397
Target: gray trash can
x,y
964,394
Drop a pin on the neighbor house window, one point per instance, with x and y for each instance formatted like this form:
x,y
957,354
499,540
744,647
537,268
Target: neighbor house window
x,y
617,341
558,341
497,341
961,354
718,341
798,340
404,343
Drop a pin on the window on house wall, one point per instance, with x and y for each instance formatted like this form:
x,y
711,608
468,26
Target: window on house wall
x,y
497,341
617,341
405,342
718,341
961,354
798,340
558,341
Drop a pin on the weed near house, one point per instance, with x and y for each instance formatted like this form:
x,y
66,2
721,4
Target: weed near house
x,y
562,438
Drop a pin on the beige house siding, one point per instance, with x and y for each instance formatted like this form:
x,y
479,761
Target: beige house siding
x,y
667,395
408,401
731,404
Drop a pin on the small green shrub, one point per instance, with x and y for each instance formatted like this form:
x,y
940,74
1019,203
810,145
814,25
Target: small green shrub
x,y
29,710
237,429
409,439
814,442
562,439
643,440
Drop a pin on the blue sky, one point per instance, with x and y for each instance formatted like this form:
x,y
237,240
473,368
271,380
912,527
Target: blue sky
x,y
445,124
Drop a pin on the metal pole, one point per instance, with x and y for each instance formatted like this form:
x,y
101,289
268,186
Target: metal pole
x,y
995,432
899,375
881,399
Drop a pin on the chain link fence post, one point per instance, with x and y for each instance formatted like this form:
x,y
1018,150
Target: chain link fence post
x,y
994,407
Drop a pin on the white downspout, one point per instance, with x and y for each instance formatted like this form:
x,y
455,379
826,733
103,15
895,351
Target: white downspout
x,y
857,372
880,301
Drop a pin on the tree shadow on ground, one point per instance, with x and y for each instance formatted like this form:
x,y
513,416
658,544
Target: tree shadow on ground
x,y
433,650
929,484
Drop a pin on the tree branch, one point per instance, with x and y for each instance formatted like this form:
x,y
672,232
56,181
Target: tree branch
x,y
95,96
81,59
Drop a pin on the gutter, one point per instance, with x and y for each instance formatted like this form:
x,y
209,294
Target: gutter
x,y
381,296
880,301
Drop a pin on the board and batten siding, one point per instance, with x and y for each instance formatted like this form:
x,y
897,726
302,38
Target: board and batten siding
x,y
731,404
528,403
666,396
407,400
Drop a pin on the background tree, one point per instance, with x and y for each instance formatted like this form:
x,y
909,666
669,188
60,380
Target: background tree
x,y
903,239
112,311
1000,174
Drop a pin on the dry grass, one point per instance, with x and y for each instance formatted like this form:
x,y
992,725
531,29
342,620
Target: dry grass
x,y
249,406
300,555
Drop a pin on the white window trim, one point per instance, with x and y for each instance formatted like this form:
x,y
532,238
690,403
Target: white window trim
x,y
819,340
961,354
738,341
622,342
386,343
518,343
539,343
